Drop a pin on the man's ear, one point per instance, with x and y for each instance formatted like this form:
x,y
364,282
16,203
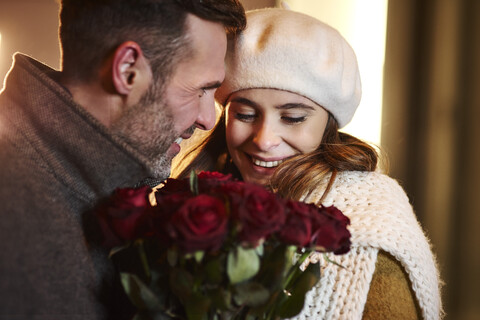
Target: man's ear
x,y
129,68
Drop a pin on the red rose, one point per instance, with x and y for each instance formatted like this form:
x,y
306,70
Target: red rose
x,y
172,186
209,182
298,224
119,218
258,212
169,203
330,230
199,224
214,175
153,223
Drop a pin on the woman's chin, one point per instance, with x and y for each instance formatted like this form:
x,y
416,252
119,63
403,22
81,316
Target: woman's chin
x,y
263,179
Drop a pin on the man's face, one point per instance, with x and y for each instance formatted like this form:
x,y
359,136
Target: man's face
x,y
158,122
189,96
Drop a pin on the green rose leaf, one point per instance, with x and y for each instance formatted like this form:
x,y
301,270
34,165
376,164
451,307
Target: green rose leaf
x,y
251,294
221,298
293,305
181,283
194,182
289,259
214,270
242,264
260,250
172,257
138,292
199,256
197,307
117,249
273,267
147,316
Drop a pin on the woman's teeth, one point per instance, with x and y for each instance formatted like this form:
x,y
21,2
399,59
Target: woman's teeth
x,y
267,164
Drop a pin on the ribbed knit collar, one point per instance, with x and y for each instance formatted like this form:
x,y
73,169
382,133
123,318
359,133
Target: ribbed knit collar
x,y
75,147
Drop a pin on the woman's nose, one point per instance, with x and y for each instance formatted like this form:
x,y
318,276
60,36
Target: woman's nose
x,y
266,137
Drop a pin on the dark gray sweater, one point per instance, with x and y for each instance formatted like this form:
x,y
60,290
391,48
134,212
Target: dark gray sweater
x,y
56,162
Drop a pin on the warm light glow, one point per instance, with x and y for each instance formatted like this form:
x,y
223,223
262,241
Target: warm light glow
x,y
1,64
363,24
2,75
0,51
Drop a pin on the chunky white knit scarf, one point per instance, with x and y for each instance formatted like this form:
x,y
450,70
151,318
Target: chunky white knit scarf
x,y
381,219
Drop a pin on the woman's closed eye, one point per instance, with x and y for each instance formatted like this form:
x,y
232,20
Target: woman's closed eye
x,y
294,120
245,117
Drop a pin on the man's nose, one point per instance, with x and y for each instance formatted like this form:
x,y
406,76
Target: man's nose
x,y
206,116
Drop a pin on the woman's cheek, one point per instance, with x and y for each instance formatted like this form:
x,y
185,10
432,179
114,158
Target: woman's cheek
x,y
231,136
237,133
306,139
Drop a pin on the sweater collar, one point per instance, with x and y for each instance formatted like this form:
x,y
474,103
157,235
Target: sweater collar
x,y
79,150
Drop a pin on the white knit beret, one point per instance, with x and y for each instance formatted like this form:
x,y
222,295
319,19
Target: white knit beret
x,y
287,50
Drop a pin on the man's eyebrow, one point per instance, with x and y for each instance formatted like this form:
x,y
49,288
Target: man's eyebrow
x,y
211,85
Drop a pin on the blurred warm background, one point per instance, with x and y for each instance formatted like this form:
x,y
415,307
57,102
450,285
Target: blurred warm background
x,y
420,65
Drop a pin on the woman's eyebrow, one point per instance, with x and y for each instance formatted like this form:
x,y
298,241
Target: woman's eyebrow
x,y
244,101
288,106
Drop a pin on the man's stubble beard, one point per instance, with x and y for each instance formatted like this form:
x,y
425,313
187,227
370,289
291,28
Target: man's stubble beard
x,y
148,127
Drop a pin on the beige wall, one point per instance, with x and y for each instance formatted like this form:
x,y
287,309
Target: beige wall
x,y
257,4
363,24
29,26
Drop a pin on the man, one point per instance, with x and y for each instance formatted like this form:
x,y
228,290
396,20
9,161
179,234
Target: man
x,y
137,77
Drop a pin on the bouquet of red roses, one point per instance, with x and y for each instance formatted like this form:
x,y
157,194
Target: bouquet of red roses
x,y
211,247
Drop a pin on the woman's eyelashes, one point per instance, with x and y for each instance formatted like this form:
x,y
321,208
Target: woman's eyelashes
x,y
294,120
251,117
245,117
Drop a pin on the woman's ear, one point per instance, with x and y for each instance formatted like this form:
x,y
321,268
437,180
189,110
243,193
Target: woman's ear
x,y
130,70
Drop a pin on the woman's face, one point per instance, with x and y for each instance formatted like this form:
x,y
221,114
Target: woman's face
x,y
266,126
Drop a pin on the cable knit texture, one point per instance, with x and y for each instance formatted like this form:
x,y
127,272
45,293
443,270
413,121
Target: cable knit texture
x,y
381,219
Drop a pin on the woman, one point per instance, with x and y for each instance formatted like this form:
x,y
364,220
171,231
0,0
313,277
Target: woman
x,y
291,83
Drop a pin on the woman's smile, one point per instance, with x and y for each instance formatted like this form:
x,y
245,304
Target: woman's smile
x,y
266,163
264,127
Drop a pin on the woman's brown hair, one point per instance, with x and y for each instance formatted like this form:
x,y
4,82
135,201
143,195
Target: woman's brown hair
x,y
209,154
338,151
